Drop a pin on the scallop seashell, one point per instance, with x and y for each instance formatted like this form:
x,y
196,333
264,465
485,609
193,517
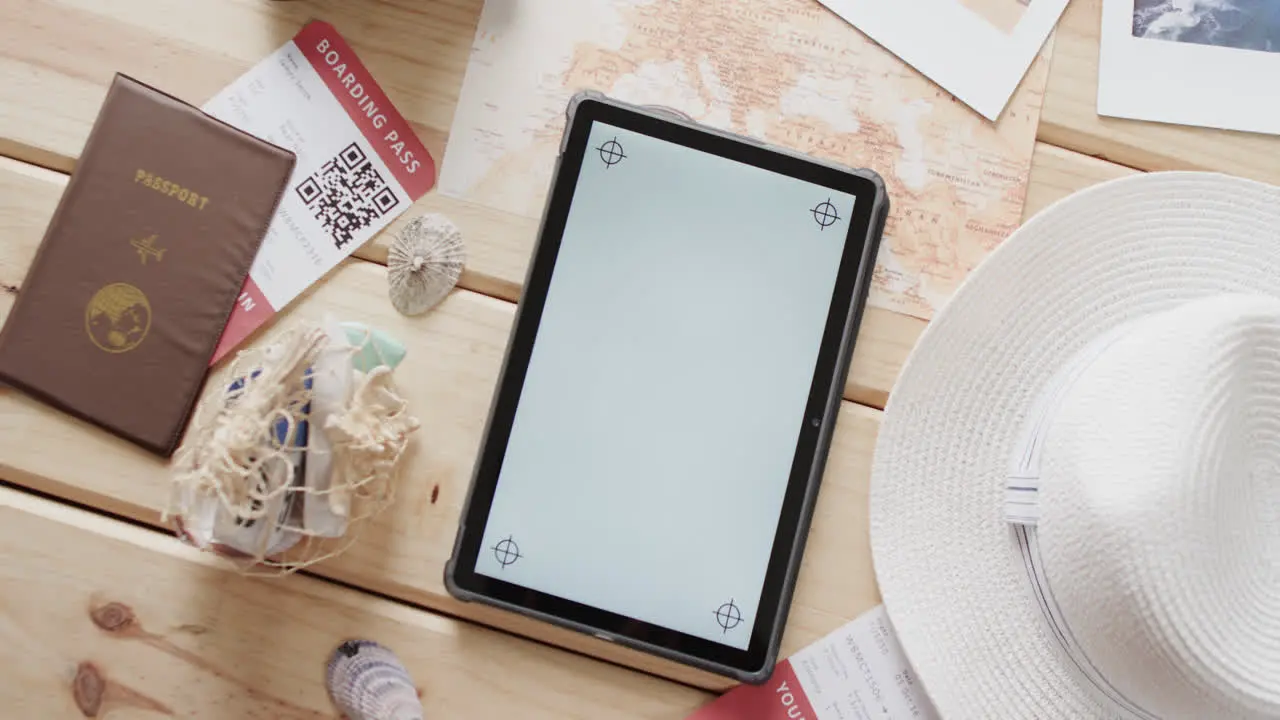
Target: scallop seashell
x,y
367,682
424,263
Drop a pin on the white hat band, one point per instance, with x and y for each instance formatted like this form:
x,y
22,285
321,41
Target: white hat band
x,y
1022,511
1022,489
1086,672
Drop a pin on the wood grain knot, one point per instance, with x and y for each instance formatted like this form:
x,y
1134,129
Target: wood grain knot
x,y
88,688
113,617
11,289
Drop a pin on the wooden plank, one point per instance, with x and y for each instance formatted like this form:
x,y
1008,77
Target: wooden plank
x,y
1057,173
1070,118
448,377
169,632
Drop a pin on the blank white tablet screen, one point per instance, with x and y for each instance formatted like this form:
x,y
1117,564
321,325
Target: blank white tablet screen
x,y
656,429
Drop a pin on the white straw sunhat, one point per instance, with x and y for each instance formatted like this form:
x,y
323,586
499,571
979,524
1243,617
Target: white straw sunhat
x,y
1075,499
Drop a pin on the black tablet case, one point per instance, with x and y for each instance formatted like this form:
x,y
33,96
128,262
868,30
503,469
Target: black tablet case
x,y
879,214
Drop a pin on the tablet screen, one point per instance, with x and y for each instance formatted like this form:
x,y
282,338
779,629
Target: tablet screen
x,y
656,429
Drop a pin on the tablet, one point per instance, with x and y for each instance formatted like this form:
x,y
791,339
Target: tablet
x,y
660,425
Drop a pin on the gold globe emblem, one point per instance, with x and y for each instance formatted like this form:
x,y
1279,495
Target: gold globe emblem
x,y
117,318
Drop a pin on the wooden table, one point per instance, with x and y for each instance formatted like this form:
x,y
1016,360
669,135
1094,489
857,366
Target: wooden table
x,y
79,511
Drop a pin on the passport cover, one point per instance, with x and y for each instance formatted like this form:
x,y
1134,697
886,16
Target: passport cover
x,y
141,265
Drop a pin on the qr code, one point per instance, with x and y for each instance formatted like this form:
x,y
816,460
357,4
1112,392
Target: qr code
x,y
347,194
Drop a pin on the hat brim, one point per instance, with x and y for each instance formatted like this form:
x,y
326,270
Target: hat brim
x,y
947,563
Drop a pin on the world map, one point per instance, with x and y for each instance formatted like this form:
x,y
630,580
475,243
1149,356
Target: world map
x,y
788,72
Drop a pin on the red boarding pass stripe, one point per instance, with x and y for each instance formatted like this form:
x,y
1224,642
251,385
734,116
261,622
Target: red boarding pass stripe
x,y
780,698
369,108
252,311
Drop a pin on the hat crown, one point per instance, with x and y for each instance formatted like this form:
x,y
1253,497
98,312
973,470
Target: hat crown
x,y
1160,501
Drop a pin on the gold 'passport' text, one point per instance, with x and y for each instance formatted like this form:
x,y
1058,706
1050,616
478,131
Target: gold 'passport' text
x,y
170,188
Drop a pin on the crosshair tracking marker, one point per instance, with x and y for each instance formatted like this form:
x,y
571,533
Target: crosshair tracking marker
x,y
506,552
824,213
611,153
728,616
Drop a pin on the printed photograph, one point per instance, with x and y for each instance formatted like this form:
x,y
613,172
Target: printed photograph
x,y
1240,24
1004,14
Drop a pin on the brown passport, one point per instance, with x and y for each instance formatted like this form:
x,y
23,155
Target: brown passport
x,y
141,265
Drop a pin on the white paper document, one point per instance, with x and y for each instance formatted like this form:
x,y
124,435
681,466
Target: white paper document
x,y
978,50
858,672
359,165
1211,63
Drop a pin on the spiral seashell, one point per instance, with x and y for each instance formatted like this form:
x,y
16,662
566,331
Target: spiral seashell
x,y
367,682
424,263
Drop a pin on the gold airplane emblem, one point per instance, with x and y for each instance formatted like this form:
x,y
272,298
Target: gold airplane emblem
x,y
146,247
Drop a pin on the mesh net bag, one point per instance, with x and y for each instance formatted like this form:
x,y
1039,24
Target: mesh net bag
x,y
281,468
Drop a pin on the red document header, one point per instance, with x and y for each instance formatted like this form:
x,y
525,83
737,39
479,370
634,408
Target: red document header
x,y
369,108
